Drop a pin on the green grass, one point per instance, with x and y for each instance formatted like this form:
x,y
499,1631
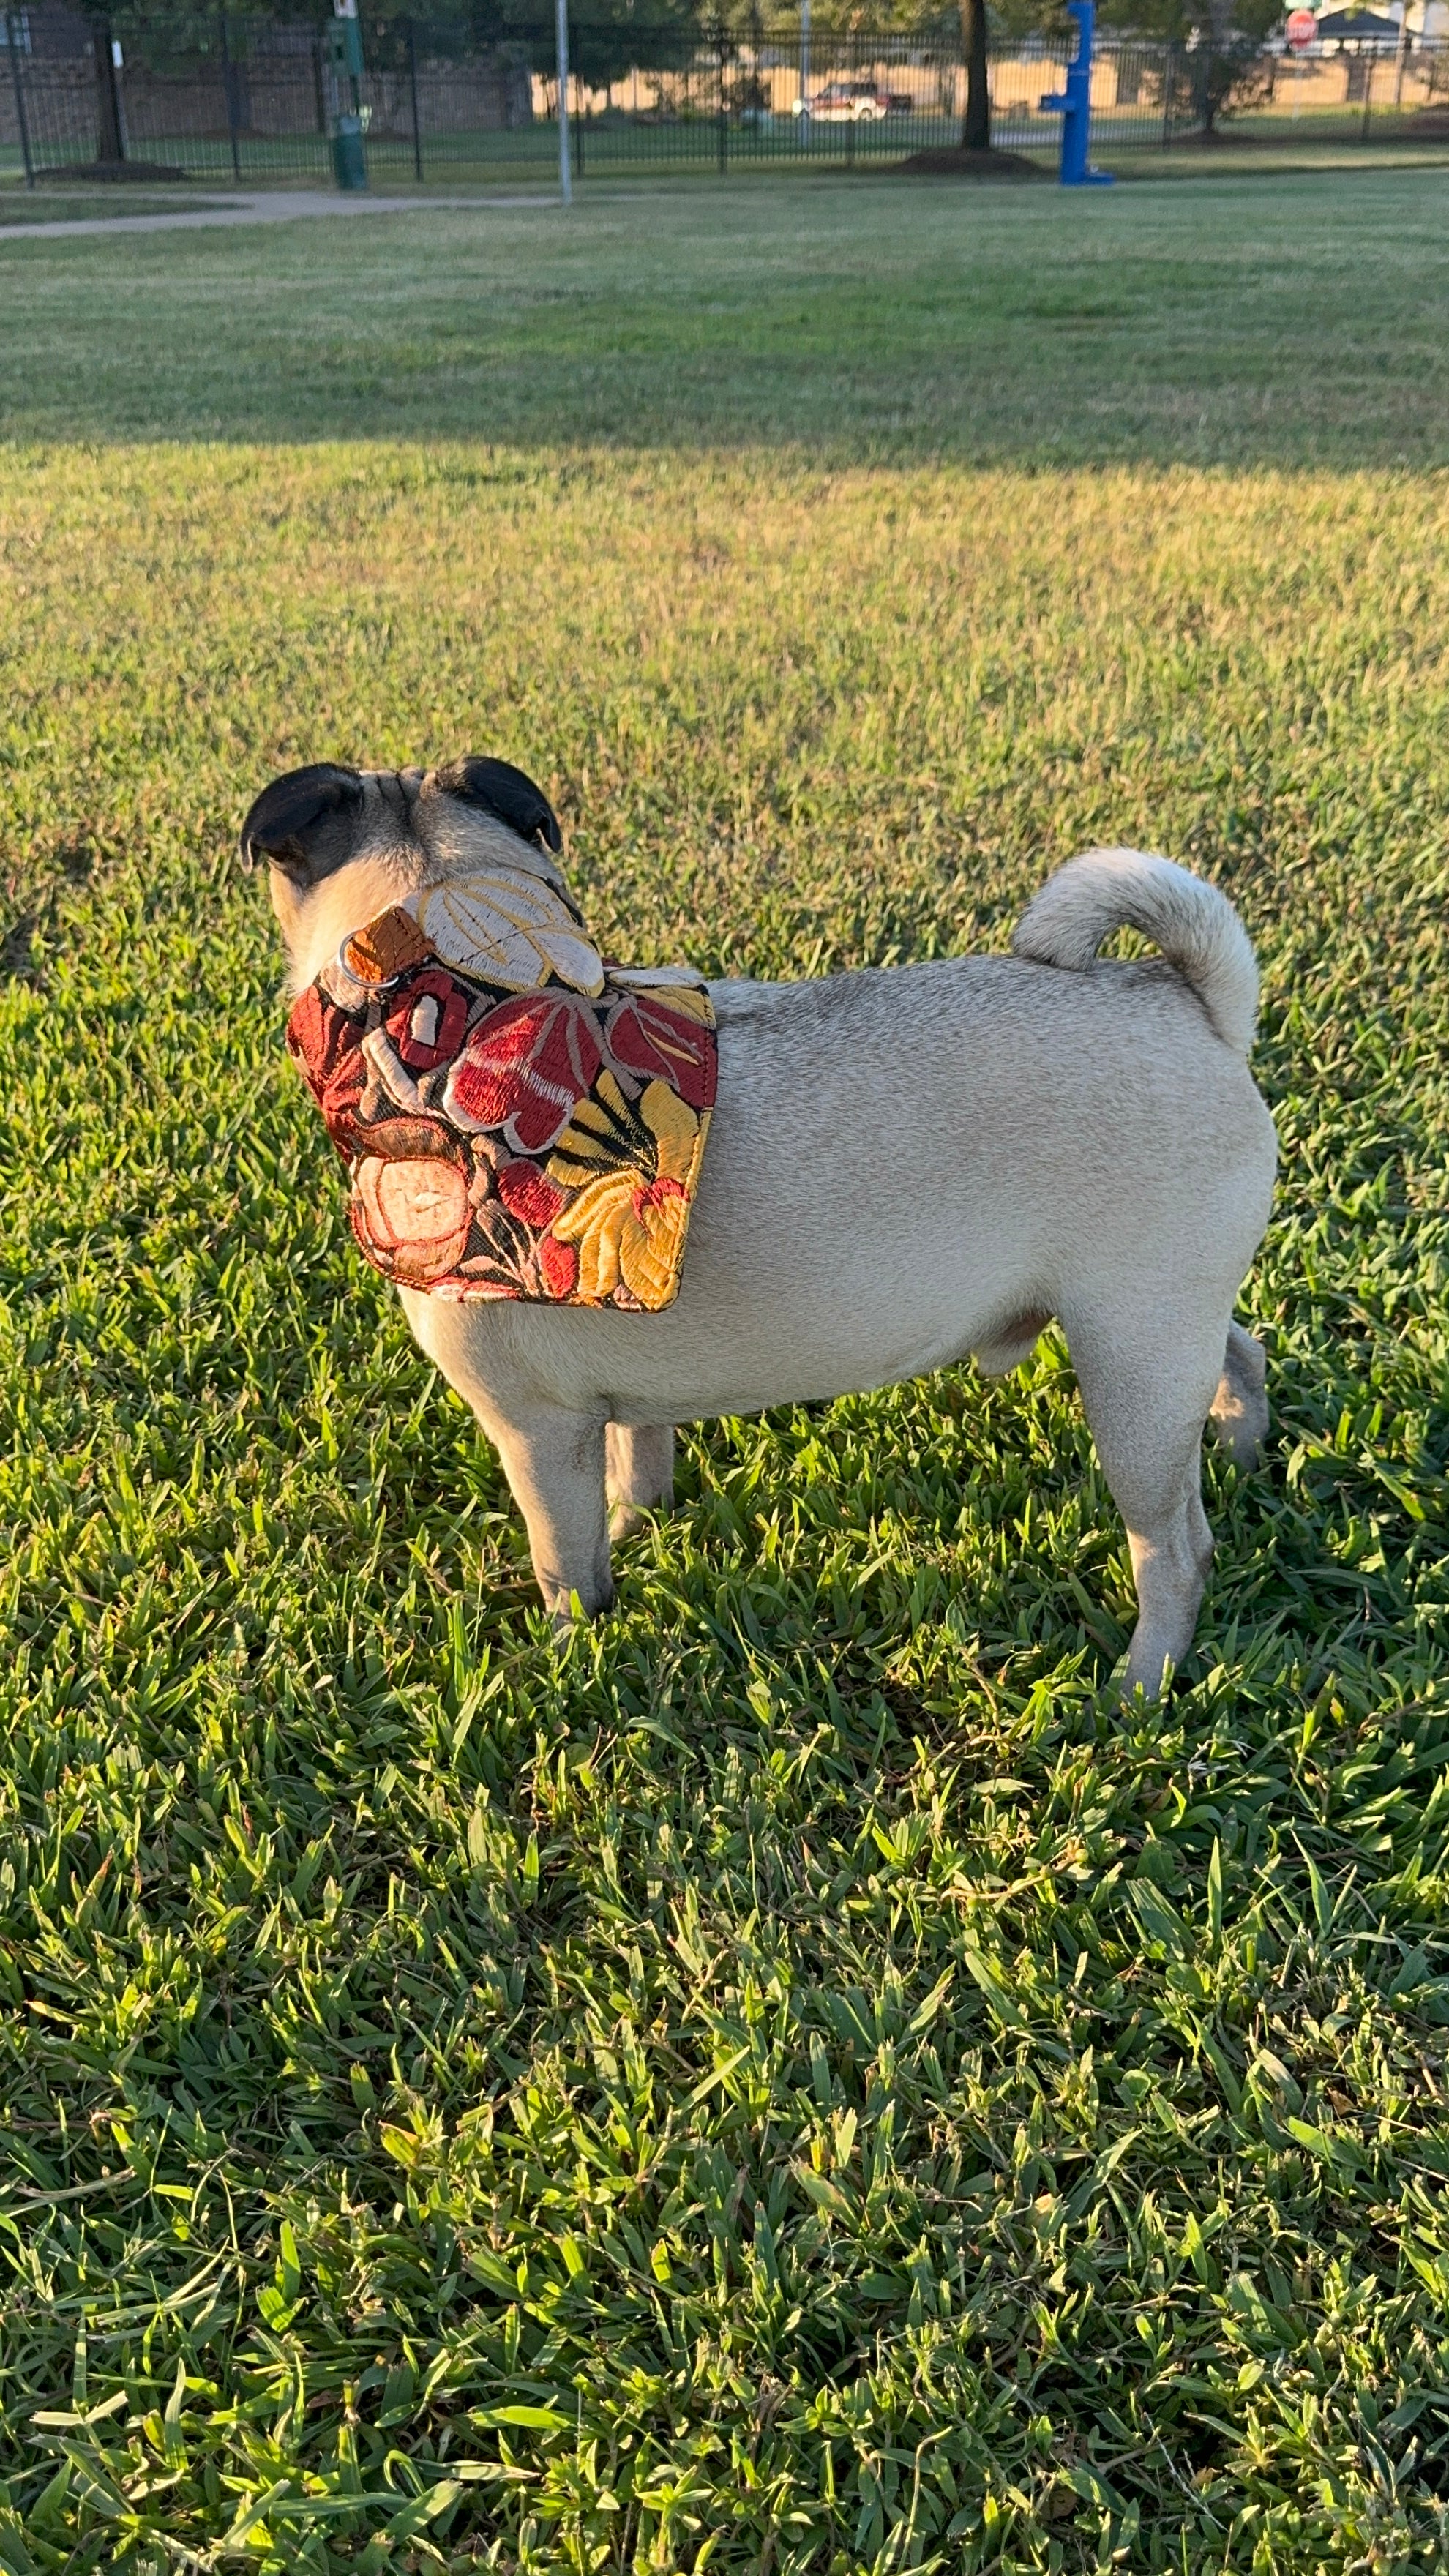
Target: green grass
x,y
75,205
796,2081
1290,321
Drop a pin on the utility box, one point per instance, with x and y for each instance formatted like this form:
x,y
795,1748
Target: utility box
x,y
344,45
344,58
349,161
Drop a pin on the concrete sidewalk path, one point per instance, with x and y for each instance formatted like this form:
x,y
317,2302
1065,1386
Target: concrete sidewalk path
x,y
284,205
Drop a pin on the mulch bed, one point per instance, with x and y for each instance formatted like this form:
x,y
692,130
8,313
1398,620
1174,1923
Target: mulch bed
x,y
116,173
954,163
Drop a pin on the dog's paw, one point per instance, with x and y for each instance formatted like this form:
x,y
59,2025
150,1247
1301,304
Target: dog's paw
x,y
569,1611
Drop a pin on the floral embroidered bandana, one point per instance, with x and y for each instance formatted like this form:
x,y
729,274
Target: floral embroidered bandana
x,y
518,1119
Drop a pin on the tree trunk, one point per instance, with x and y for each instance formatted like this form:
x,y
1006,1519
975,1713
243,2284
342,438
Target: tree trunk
x,y
1220,20
109,143
976,132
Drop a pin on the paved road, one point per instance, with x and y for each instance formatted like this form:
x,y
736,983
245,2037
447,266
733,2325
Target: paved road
x,y
282,206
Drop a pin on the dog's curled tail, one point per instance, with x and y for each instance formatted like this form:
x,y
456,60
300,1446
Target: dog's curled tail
x,y
1193,924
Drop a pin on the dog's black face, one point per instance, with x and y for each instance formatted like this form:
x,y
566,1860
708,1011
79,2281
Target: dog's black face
x,y
314,820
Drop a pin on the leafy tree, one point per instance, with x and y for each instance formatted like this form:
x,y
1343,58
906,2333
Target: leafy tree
x,y
1224,40
606,37
611,37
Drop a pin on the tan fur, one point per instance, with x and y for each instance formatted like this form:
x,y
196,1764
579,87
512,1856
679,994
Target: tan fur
x,y
903,1168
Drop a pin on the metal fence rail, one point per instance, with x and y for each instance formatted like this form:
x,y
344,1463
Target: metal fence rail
x,y
250,99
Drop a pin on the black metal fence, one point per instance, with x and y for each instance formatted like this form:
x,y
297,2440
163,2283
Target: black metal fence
x,y
255,100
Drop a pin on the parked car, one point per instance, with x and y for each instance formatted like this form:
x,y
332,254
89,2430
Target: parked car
x,y
844,102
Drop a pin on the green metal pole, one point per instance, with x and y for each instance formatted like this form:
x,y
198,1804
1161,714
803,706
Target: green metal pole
x,y
230,87
413,85
12,34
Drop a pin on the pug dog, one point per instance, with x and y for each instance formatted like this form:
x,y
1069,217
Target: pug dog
x,y
906,1167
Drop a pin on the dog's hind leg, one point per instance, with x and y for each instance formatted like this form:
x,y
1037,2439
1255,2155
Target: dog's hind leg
x,y
1239,1411
554,1462
638,1471
1146,1391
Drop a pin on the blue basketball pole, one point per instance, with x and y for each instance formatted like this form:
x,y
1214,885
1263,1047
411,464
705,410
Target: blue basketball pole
x,y
1074,104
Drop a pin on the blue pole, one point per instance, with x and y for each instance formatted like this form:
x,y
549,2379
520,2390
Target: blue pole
x,y
1074,104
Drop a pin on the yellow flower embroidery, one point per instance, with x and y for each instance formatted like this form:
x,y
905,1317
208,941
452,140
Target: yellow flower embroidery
x,y
627,1227
684,998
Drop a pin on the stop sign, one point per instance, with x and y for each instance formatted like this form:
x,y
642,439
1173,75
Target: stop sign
x,y
1301,29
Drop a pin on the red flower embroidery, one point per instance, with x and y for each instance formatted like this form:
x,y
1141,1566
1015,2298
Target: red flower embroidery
x,y
528,1193
404,1138
427,1021
661,1042
558,1266
328,1047
525,1069
411,1218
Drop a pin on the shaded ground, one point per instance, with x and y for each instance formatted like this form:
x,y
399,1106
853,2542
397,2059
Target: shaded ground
x,y
961,164
47,205
244,207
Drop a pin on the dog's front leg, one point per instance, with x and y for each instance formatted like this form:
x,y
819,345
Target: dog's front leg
x,y
554,1462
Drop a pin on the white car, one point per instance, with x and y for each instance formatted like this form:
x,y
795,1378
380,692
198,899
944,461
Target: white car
x,y
847,103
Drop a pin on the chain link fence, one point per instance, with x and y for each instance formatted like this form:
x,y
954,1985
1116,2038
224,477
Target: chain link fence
x,y
246,99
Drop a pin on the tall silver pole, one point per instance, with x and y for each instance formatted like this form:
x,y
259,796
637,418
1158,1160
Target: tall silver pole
x,y
565,174
804,55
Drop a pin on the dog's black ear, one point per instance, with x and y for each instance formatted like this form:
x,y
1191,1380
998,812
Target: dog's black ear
x,y
289,821
503,790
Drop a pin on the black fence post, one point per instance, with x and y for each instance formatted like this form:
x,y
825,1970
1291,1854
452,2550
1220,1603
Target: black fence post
x,y
12,33
413,86
110,132
229,85
1169,86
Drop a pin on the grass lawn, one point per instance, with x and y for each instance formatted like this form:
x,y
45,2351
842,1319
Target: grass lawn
x,y
1287,320
796,2081
86,205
